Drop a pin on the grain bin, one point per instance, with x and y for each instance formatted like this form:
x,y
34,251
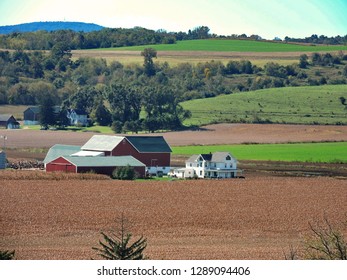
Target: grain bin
x,y
2,160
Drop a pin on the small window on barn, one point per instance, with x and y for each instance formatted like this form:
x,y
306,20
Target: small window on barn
x,y
228,158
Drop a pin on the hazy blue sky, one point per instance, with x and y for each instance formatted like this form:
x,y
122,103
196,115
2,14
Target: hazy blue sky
x,y
267,18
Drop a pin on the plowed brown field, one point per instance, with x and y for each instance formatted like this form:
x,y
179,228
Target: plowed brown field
x,y
207,135
256,218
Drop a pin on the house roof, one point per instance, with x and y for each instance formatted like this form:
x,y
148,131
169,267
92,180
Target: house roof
x,y
220,156
102,143
59,150
149,144
104,161
214,157
78,112
143,144
36,109
5,117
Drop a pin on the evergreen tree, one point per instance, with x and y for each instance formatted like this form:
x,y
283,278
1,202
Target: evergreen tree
x,y
47,115
117,246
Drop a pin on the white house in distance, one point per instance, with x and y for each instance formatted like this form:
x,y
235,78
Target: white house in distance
x,y
213,165
77,117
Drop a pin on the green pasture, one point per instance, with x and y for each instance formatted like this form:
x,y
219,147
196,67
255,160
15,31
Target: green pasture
x,y
224,45
335,152
294,105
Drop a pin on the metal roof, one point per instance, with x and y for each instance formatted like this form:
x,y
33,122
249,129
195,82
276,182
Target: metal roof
x,y
59,150
149,144
143,144
102,143
104,161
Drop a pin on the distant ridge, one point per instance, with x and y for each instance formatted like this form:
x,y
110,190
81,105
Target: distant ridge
x,y
50,26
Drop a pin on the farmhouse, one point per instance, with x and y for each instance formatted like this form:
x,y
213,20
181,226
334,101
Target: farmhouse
x,y
77,117
9,122
153,151
216,165
104,153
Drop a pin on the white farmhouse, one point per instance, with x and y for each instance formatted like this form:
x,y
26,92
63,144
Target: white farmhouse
x,y
77,117
216,165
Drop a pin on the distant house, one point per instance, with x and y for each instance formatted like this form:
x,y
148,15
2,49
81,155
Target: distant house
x,y
153,151
9,122
213,165
77,117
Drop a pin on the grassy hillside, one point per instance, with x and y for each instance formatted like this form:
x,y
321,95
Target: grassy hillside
x,y
235,46
295,105
301,152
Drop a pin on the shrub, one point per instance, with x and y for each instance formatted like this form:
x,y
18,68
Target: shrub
x,y
6,255
124,173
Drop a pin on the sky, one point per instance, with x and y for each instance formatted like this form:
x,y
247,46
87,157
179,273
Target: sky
x,y
267,18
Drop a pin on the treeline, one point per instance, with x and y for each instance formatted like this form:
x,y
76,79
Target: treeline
x,y
322,39
105,38
148,96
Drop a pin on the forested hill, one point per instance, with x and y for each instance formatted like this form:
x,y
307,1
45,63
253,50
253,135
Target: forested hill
x,y
50,26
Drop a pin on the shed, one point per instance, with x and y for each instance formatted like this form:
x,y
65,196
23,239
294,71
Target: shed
x,y
31,116
2,160
9,122
97,164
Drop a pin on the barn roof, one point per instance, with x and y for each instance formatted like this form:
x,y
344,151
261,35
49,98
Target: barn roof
x,y
59,150
102,143
149,144
143,144
104,161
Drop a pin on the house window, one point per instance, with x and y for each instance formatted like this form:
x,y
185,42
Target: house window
x,y
200,172
226,165
190,165
228,158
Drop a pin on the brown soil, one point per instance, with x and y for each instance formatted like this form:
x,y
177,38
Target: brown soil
x,y
254,218
207,135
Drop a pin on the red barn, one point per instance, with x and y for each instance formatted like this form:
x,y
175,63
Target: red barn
x,y
153,151
97,164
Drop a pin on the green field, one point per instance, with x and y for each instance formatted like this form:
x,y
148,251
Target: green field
x,y
302,152
219,45
294,105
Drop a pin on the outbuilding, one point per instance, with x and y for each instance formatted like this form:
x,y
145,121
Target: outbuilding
x,y
97,164
9,122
